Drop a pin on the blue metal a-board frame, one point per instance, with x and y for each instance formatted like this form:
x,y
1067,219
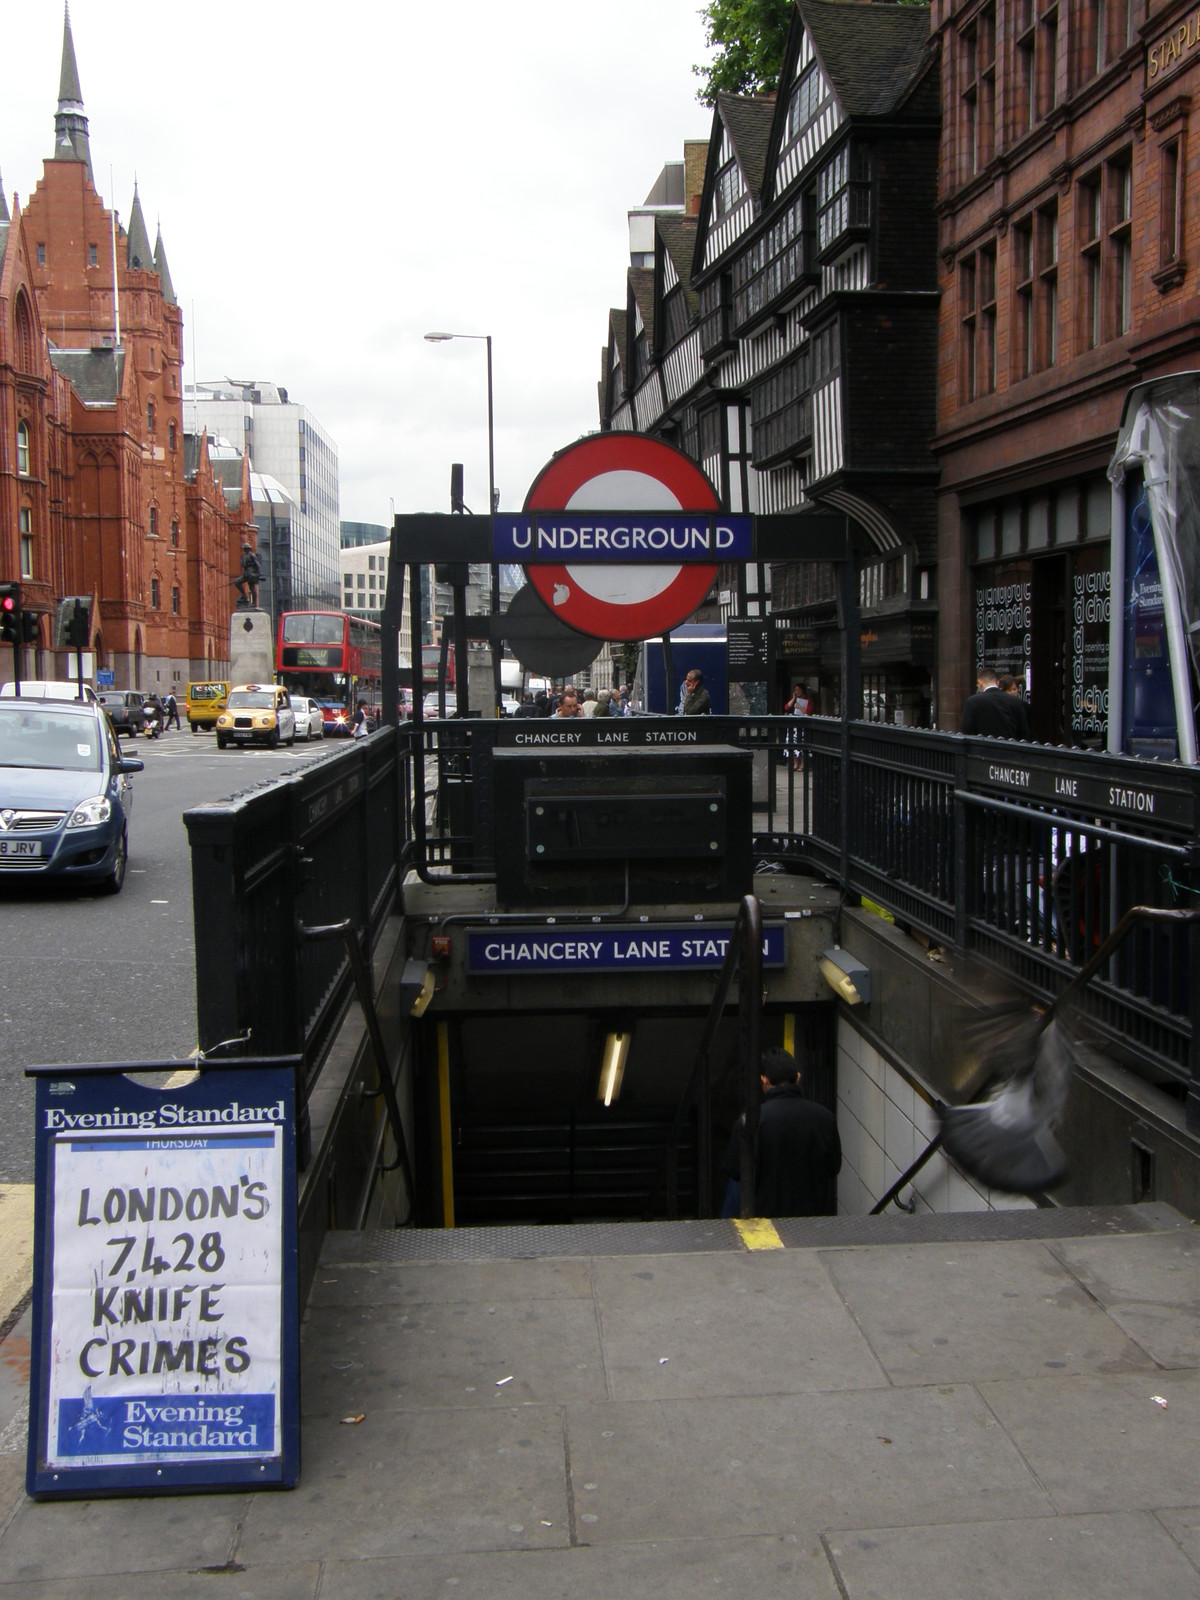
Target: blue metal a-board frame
x,y
166,1339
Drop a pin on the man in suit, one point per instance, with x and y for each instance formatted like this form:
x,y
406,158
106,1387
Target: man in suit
x,y
994,714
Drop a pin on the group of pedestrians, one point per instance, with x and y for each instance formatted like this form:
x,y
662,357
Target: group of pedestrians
x,y
565,701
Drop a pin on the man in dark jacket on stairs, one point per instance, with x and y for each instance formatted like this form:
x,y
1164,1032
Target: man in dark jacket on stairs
x,y
799,1151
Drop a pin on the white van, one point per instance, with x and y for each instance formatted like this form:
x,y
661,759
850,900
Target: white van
x,y
47,689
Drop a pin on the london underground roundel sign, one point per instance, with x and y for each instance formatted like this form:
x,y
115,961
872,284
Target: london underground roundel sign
x,y
602,594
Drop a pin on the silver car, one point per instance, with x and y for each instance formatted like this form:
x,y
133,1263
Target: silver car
x,y
310,719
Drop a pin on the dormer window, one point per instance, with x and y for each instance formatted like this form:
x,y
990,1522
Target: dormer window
x,y
808,92
728,189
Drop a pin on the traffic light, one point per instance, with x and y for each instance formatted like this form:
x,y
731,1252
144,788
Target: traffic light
x,y
29,627
72,623
10,613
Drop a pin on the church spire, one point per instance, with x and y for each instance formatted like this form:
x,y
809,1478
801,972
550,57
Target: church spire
x,y
70,123
138,252
4,216
160,266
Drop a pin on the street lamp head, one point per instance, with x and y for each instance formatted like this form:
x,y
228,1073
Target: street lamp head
x,y
438,338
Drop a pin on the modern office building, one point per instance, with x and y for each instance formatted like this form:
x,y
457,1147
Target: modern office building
x,y
284,443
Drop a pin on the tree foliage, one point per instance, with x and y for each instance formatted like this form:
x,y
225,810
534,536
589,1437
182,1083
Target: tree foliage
x,y
749,37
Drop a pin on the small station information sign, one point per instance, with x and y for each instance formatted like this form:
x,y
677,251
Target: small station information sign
x,y
165,1313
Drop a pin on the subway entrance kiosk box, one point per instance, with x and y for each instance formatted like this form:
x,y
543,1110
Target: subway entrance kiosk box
x,y
165,1316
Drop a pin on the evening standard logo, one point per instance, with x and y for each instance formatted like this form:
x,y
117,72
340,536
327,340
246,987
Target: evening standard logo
x,y
622,537
169,1115
110,1426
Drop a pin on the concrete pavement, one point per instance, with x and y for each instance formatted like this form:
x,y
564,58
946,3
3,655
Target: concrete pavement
x,y
874,1409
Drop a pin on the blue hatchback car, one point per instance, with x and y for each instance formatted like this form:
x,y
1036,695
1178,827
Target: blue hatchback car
x,y
64,793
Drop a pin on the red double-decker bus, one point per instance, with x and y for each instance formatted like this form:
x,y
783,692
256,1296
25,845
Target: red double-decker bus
x,y
333,658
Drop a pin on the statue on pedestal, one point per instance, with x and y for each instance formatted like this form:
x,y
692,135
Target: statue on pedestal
x,y
247,582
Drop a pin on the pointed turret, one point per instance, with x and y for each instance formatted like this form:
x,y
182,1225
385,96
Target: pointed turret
x,y
138,252
70,123
161,267
4,216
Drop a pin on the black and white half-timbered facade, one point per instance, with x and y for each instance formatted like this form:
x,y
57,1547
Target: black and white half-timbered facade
x,y
789,343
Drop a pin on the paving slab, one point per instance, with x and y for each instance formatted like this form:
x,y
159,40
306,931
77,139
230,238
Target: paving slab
x,y
420,1482
783,1568
783,1463
1122,1556
1106,1444
95,1539
1183,1524
965,1312
445,1353
686,1325
1149,1286
429,1282
231,1582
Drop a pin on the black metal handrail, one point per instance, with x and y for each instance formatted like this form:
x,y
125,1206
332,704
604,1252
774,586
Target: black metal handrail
x,y
744,957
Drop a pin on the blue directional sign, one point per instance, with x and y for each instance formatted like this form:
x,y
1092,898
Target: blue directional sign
x,y
587,949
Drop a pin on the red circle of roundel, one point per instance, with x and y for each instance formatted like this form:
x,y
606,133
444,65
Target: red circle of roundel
x,y
677,588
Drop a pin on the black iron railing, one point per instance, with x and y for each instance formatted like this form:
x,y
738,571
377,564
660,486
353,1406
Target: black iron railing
x,y
314,848
1024,855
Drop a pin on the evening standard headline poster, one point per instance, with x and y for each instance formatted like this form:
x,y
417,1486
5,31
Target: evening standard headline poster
x,y
165,1309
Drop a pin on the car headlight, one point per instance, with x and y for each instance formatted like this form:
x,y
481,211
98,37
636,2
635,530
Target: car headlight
x,y
90,813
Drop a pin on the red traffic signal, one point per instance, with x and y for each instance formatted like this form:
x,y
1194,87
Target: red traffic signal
x,y
10,613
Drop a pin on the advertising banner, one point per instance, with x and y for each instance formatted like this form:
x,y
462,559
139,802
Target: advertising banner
x,y
165,1310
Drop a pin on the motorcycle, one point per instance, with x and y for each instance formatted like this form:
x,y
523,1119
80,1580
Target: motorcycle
x,y
154,721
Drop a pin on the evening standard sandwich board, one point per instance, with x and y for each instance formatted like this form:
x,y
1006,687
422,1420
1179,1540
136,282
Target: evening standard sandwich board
x,y
165,1316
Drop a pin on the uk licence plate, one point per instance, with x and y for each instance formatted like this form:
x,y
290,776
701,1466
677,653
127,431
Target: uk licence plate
x,y
13,849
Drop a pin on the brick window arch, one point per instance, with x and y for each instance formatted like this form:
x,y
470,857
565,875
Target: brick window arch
x,y
24,330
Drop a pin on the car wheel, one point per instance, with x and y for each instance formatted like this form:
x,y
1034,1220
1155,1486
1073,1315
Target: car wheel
x,y
222,741
273,740
111,884
292,736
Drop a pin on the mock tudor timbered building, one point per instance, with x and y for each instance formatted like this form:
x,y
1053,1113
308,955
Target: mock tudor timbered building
x,y
804,372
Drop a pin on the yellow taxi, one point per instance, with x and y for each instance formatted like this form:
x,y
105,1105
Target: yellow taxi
x,y
205,703
256,713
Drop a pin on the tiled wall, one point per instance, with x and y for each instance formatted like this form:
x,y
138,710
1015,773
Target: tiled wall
x,y
884,1124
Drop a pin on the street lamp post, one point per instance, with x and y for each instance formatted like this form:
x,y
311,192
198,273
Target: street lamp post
x,y
486,338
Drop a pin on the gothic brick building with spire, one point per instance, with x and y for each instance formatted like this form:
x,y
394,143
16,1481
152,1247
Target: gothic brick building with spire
x,y
98,495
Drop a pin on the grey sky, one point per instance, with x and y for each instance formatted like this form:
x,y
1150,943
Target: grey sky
x,y
335,181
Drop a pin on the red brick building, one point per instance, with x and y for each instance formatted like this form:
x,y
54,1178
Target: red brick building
x,y
1069,240
98,494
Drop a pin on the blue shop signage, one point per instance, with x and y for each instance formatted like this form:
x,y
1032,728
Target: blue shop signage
x,y
621,536
165,1342
650,948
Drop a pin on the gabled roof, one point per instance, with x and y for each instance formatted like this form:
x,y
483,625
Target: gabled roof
x,y
95,375
678,235
747,120
871,54
641,293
